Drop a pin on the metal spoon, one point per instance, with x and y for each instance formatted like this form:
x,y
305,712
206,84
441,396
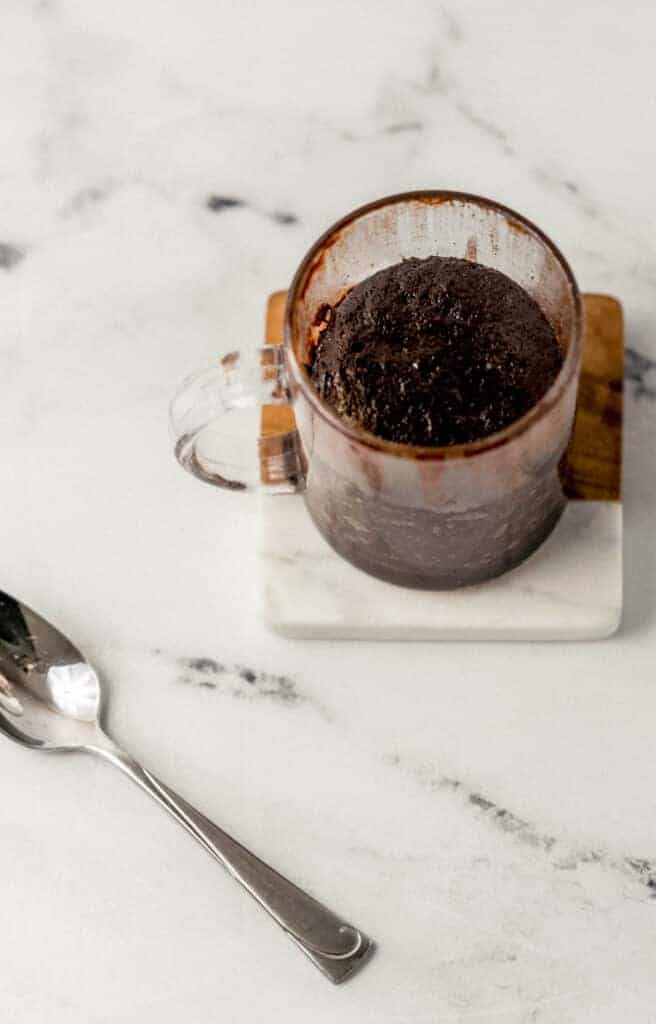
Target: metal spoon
x,y
50,699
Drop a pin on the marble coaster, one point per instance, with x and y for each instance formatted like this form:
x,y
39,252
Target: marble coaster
x,y
570,589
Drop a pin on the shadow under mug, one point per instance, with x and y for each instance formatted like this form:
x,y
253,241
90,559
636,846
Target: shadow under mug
x,y
432,518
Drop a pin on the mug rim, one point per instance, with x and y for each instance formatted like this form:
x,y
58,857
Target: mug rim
x,y
429,452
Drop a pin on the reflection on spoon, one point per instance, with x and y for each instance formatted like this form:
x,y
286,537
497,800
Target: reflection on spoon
x,y
74,690
8,699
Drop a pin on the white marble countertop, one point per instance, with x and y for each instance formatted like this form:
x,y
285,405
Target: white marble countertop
x,y
487,812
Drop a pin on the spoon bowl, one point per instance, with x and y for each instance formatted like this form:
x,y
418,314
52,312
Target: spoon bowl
x,y
50,696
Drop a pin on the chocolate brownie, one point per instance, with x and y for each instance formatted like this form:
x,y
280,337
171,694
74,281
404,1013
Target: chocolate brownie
x,y
435,351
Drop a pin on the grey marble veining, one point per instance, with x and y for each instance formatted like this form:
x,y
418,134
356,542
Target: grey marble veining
x,y
214,675
561,856
487,812
641,372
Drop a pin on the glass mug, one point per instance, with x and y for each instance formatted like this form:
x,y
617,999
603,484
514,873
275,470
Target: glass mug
x,y
432,518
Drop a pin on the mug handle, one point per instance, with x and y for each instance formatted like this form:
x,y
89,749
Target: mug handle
x,y
204,408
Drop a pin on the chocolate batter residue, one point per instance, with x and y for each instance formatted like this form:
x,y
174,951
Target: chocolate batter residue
x,y
438,351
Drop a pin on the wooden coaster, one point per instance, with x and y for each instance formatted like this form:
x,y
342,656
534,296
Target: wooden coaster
x,y
571,588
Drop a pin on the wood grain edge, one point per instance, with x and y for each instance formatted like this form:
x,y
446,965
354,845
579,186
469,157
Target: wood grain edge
x,y
275,315
592,469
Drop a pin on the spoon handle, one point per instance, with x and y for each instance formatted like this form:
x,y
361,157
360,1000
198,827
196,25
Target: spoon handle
x,y
333,945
